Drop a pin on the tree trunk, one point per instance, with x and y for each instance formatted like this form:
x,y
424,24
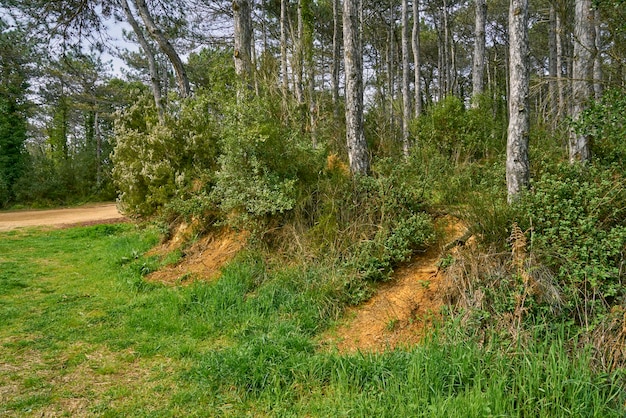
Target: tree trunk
x,y
478,67
242,13
406,86
336,57
283,50
299,57
357,147
416,58
582,74
597,61
552,67
165,46
517,164
155,81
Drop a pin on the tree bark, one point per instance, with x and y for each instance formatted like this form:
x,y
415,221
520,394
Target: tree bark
x,y
165,46
552,67
478,67
597,61
417,58
283,50
357,146
242,13
517,164
336,57
582,74
406,86
155,81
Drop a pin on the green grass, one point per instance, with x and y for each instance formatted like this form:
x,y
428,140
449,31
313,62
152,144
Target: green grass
x,y
81,333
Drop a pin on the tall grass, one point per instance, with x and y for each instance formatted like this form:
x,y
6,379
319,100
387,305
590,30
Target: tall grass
x,y
81,327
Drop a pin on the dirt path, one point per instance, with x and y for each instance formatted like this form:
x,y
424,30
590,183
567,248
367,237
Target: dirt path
x,y
87,215
403,310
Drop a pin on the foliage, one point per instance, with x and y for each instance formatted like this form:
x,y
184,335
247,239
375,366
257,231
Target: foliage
x,y
463,134
578,220
605,123
14,77
263,163
155,162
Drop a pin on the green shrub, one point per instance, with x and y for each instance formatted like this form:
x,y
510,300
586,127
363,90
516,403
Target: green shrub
x,y
263,163
605,122
155,162
463,134
577,216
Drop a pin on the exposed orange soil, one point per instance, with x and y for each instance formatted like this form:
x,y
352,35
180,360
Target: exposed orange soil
x,y
84,215
403,309
202,261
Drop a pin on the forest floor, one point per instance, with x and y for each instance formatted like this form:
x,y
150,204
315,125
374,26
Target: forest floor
x,y
84,215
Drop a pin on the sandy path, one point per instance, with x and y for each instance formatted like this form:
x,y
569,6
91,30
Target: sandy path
x,y
96,213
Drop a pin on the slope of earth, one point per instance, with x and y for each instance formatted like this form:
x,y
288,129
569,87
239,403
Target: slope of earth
x,y
84,215
203,260
403,309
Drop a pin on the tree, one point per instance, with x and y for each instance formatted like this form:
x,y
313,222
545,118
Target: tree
x,y
417,62
479,51
582,74
517,164
242,12
155,79
13,106
406,87
165,45
357,147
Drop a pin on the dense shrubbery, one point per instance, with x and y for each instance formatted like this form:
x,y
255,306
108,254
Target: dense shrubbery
x,y
154,162
576,216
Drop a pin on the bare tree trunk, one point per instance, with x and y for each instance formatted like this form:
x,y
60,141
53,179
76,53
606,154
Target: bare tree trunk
x,y
390,67
242,13
165,46
357,147
582,74
417,58
98,135
446,50
597,62
552,67
336,57
478,67
406,84
559,67
517,164
155,81
283,50
299,57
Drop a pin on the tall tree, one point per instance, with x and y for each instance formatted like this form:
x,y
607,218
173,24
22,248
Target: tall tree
x,y
479,50
417,62
406,83
582,74
242,12
13,105
336,56
517,164
357,146
166,47
155,79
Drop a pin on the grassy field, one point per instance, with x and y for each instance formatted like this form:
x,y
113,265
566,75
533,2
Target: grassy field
x,y
82,334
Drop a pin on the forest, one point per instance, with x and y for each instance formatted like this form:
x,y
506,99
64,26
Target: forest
x,y
344,140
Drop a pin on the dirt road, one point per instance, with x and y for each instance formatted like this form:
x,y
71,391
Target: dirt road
x,y
90,214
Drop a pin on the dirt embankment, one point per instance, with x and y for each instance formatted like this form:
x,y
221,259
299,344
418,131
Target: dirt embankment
x,y
84,215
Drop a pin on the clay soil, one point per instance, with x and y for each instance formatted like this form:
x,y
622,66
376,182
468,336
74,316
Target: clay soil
x,y
59,218
403,310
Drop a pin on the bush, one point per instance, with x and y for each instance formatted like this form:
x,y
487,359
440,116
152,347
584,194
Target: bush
x,y
155,162
605,122
463,134
263,163
577,216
